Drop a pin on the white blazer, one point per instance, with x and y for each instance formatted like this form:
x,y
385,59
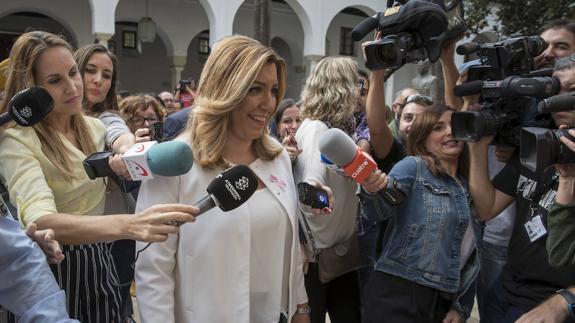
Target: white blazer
x,y
202,274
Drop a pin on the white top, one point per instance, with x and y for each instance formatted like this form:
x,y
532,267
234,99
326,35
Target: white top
x,y
270,257
340,225
203,273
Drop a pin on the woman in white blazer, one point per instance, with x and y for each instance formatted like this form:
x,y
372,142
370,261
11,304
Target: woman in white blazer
x,y
244,265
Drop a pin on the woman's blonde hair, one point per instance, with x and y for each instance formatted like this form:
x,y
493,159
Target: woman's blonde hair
x,y
228,74
21,74
331,92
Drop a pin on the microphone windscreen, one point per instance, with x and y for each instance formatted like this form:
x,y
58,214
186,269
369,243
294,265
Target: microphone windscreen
x,y
30,106
337,146
233,187
557,103
170,158
364,27
468,88
467,48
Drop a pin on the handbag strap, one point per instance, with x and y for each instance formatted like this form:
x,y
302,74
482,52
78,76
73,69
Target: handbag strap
x,y
309,235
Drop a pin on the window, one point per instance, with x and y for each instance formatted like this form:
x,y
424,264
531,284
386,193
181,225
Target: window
x,y
129,39
346,45
203,46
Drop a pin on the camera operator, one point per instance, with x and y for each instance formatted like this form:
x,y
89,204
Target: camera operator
x,y
528,279
185,93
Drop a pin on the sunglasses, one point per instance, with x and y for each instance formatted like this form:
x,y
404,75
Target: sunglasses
x,y
419,99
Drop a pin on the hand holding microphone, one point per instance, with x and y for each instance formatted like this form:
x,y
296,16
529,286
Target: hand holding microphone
x,y
336,146
228,191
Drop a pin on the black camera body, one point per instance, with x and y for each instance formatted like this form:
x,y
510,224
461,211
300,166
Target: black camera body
x,y
503,112
514,56
156,131
541,148
184,83
411,32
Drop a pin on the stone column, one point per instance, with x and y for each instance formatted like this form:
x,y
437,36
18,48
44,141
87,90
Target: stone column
x,y
176,68
312,61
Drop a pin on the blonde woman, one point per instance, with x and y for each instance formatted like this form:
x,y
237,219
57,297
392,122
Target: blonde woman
x,y
244,265
42,169
328,100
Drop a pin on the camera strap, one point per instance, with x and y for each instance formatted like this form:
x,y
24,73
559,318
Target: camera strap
x,y
309,235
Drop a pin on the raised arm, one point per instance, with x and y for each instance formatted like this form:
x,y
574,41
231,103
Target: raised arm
x,y
450,75
487,200
381,137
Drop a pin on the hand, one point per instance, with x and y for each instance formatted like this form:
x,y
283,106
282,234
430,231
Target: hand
x,y
452,317
118,166
504,153
553,310
45,239
143,135
151,225
290,145
300,318
375,182
565,140
325,210
448,48
480,145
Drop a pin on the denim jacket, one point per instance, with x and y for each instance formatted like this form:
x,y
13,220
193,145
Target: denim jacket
x,y
423,238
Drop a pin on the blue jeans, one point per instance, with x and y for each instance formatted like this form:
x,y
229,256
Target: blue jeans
x,y
497,310
492,259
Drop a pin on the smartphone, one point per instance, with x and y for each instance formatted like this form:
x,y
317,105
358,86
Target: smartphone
x,y
156,131
310,195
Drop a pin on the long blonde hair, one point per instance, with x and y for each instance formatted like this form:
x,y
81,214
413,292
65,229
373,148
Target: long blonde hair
x,y
331,92
228,74
21,72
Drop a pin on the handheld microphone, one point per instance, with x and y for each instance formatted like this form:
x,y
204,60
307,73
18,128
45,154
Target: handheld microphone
x,y
171,158
28,107
336,146
557,103
144,160
228,191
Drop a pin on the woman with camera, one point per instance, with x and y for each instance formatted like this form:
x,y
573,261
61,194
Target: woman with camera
x,y
284,125
41,167
244,265
143,113
428,261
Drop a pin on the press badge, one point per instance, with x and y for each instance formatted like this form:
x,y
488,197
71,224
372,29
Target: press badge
x,y
535,228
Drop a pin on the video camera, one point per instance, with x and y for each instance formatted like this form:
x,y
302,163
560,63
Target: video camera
x,y
504,105
541,147
509,86
499,60
411,32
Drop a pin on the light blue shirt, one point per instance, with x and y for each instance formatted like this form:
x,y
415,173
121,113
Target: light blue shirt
x,y
27,286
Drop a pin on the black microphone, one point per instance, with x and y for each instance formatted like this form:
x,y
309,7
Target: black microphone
x,y
557,103
364,27
28,107
230,189
467,48
468,88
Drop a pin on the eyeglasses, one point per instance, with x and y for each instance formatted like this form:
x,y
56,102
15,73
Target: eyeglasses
x,y
141,121
419,99
362,89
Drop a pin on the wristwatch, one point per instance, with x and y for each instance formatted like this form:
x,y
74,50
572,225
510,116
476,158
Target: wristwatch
x,y
570,299
306,309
